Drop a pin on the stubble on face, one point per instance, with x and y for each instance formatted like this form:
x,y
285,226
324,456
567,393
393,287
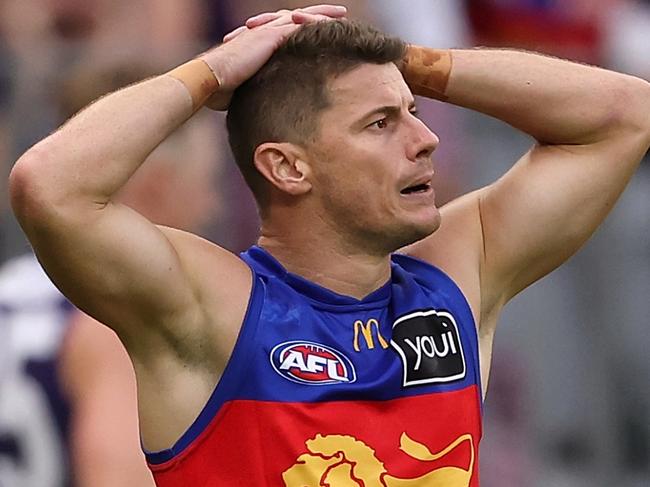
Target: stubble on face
x,y
357,170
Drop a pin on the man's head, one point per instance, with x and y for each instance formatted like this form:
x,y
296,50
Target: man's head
x,y
284,100
326,129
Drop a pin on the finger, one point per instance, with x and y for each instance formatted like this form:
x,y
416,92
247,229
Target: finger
x,y
265,18
231,35
282,17
334,11
303,18
285,18
262,19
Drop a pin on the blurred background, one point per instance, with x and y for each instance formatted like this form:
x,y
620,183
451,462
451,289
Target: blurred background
x,y
569,399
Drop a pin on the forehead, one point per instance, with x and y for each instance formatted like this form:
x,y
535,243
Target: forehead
x,y
367,87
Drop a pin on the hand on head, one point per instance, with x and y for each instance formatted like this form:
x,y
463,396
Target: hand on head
x,y
247,48
299,16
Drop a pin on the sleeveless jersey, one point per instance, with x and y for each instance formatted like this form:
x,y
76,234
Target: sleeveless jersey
x,y
328,390
34,412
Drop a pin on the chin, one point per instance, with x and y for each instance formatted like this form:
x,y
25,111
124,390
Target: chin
x,y
421,231
413,231
426,224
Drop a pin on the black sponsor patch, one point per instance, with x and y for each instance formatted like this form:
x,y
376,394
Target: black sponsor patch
x,y
429,344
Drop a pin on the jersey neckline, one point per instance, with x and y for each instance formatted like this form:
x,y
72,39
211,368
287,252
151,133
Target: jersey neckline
x,y
267,264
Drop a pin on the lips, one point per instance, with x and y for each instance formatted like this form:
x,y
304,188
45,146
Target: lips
x,y
420,185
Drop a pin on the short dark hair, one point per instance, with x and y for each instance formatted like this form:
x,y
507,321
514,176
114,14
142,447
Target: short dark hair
x,y
283,100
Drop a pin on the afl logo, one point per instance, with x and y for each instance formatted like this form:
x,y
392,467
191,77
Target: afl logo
x,y
311,363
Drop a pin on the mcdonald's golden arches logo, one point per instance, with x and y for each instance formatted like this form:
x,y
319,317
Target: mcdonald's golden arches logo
x,y
365,330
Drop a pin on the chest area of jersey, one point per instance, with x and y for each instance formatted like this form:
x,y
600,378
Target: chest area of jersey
x,y
302,353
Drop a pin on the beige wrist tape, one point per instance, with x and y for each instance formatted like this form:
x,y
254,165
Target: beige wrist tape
x,y
426,71
198,78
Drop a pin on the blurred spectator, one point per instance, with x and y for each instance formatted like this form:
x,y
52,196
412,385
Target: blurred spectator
x,y
572,29
507,459
42,39
243,9
33,411
628,38
67,388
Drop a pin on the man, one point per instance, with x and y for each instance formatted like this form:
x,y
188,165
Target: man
x,y
318,358
68,413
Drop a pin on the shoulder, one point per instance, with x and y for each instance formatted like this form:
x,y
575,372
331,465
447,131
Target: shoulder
x,y
221,280
456,248
426,273
428,276
210,266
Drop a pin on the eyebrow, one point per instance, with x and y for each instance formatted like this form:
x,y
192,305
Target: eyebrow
x,y
389,110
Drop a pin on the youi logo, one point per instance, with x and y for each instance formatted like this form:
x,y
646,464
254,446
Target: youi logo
x,y
311,363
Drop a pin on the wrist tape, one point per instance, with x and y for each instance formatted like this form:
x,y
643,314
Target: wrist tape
x,y
199,80
426,71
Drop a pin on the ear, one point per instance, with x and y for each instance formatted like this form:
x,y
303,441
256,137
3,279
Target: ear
x,y
284,165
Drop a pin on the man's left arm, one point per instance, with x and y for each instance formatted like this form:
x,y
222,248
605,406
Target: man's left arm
x,y
592,127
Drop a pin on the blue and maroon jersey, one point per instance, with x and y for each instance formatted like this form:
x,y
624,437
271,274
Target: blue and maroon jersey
x,y
328,390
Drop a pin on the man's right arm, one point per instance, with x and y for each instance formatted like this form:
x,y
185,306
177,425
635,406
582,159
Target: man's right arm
x,y
105,257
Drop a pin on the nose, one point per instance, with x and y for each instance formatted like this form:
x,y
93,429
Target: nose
x,y
422,141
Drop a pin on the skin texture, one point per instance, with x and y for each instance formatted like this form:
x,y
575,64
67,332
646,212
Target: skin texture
x,y
336,209
95,369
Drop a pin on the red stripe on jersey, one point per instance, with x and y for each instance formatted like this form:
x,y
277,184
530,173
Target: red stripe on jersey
x,y
427,440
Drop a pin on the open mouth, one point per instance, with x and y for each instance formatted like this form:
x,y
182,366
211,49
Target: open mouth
x,y
418,188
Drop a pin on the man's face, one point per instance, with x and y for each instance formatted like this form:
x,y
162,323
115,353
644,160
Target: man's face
x,y
372,166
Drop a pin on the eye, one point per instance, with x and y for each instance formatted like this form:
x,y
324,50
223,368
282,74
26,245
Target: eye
x,y
380,124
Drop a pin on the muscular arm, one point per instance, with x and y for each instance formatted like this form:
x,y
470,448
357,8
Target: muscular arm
x,y
109,260
103,255
591,127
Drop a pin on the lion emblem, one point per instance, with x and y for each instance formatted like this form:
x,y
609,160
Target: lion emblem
x,y
344,461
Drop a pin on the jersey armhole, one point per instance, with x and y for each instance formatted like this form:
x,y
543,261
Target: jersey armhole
x,y
407,261
227,386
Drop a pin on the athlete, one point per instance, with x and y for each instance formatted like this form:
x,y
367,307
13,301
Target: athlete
x,y
321,356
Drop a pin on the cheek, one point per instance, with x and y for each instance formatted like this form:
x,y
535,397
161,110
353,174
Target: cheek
x,y
356,178
362,202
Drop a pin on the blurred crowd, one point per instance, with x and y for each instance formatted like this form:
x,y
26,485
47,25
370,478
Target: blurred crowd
x,y
569,399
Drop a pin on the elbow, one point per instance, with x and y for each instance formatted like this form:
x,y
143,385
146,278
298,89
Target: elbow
x,y
45,196
23,184
32,187
645,110
633,108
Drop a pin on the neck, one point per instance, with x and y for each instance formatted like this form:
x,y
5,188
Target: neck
x,y
320,254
